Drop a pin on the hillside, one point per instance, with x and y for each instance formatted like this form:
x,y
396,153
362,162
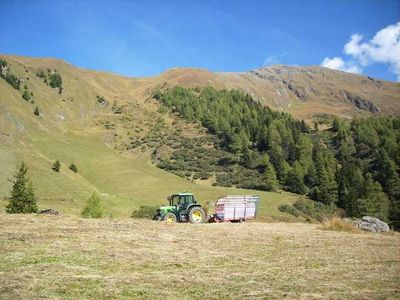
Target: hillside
x,y
109,126
61,257
74,127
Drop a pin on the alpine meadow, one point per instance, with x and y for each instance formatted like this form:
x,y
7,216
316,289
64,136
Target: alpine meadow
x,y
202,150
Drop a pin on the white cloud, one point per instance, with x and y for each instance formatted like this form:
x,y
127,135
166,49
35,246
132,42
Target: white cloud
x,y
384,48
338,63
274,59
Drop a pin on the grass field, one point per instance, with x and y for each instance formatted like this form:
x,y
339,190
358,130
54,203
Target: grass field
x,y
61,257
125,182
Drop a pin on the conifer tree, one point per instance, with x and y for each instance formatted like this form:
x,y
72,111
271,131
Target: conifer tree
x,y
375,202
22,198
351,186
326,190
56,166
26,95
269,174
295,180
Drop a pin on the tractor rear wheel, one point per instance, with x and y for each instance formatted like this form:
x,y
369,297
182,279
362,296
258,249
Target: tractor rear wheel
x,y
170,217
196,215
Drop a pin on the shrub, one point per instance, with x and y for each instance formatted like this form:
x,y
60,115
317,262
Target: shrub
x,y
92,208
36,111
11,79
73,168
41,74
26,95
315,210
202,175
101,100
22,199
335,223
55,80
56,166
289,209
3,63
224,180
144,212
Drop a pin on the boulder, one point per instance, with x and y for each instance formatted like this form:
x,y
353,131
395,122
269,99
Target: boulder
x,y
373,225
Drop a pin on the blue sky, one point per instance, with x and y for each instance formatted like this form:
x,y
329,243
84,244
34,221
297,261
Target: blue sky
x,y
143,38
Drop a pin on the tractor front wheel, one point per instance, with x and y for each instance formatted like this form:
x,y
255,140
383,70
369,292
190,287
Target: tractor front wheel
x,y
196,215
157,217
170,218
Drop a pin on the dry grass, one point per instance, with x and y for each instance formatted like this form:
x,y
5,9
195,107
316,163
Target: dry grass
x,y
338,224
62,257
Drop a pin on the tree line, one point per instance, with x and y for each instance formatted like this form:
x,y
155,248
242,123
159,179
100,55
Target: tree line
x,y
352,165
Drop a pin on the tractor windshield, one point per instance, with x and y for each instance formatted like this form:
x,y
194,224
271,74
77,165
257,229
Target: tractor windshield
x,y
181,199
174,200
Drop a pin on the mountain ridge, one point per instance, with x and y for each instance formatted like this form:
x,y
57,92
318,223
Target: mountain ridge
x,y
278,86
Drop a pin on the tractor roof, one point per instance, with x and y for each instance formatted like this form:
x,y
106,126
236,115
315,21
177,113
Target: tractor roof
x,y
183,194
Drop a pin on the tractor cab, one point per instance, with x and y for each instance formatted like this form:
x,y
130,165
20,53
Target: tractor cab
x,y
182,208
181,199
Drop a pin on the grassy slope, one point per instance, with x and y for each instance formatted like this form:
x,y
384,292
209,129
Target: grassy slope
x,y
125,182
51,257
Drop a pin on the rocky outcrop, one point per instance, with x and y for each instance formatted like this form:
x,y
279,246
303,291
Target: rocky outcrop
x,y
300,92
373,225
258,74
361,103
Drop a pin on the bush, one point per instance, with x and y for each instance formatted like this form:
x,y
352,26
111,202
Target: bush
x,y
315,210
56,166
92,208
55,80
289,210
145,212
36,111
11,79
335,223
3,63
26,95
101,100
41,74
73,168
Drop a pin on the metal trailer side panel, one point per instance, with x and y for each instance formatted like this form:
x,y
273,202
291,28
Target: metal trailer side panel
x,y
230,208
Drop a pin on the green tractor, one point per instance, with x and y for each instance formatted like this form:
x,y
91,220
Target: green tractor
x,y
182,208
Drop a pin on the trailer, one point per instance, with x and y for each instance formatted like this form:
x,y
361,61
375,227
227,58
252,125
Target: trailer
x,y
235,208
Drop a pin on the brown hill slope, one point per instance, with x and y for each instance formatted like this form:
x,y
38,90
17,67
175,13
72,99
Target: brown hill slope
x,y
301,91
306,91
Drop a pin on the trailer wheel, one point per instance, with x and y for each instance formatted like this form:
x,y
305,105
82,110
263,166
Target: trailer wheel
x,y
196,215
170,218
241,220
